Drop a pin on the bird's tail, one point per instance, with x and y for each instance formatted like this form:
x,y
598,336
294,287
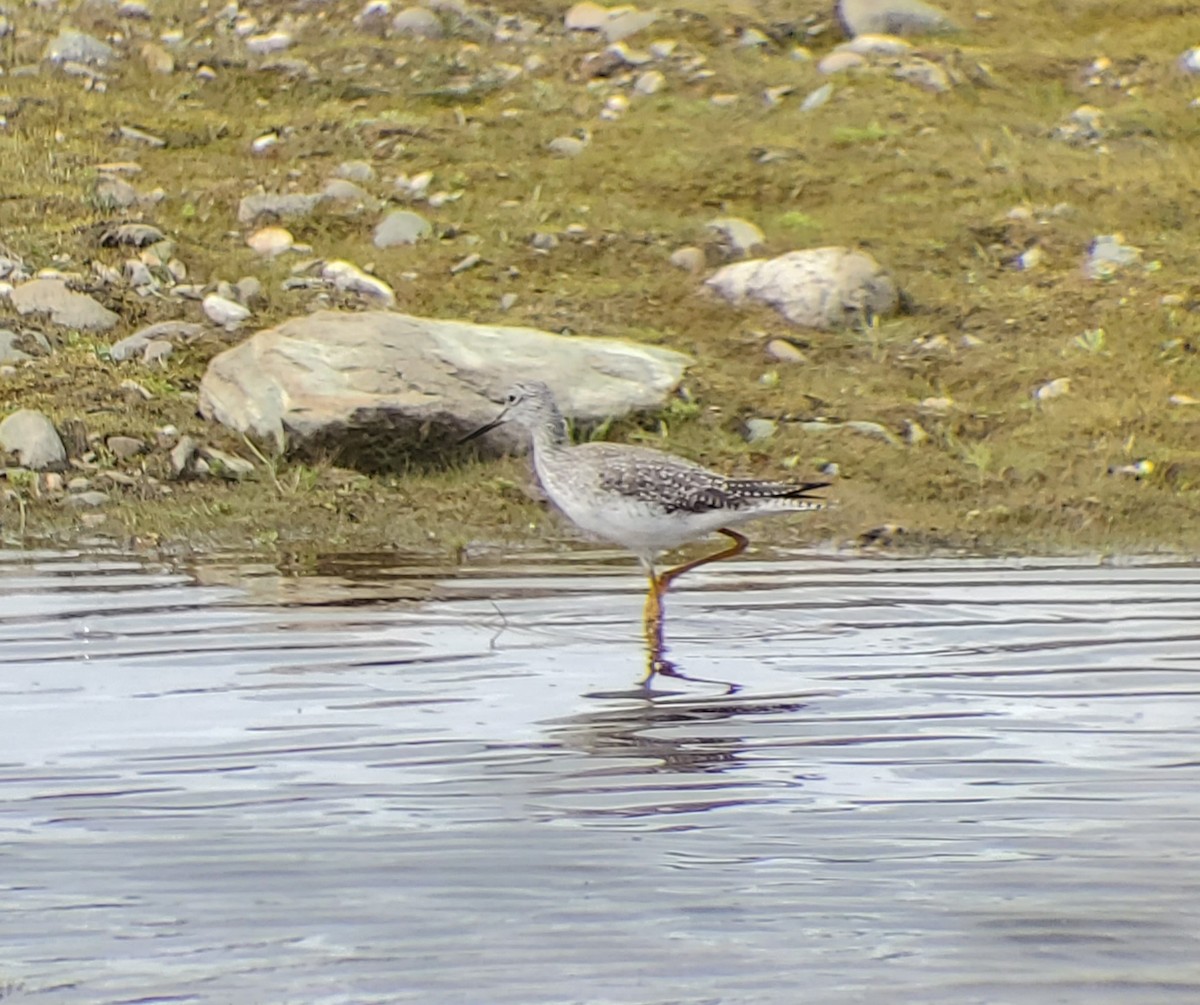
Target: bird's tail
x,y
789,495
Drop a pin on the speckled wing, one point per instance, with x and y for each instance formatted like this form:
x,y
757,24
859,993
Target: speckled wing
x,y
680,486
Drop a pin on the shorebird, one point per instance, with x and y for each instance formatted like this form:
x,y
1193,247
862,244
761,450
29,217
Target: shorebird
x,y
644,500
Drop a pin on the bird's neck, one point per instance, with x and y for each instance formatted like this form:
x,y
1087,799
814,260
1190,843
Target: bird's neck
x,y
551,435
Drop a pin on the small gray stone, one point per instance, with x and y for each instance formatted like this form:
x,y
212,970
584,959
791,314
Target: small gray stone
x,y
70,46
359,171
226,465
182,455
225,312
742,236
284,206
586,16
1108,255
690,259
86,500
124,447
418,22
757,430
135,235
344,190
817,287
566,146
782,351
135,344
840,62
627,24
248,290
401,226
650,82
32,437
891,17
14,345
157,351
113,193
923,73
65,307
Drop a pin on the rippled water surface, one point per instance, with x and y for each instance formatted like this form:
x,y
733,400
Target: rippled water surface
x,y
930,782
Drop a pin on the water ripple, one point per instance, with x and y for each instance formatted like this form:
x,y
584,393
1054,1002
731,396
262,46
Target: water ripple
x,y
942,781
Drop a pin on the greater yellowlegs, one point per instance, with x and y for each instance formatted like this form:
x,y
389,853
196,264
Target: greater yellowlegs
x,y
644,500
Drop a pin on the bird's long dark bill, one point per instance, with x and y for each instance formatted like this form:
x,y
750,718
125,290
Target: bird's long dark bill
x,y
483,429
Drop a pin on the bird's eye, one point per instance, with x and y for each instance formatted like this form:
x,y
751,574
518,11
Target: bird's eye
x,y
511,399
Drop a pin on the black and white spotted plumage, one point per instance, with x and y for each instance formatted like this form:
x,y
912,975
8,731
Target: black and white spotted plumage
x,y
644,500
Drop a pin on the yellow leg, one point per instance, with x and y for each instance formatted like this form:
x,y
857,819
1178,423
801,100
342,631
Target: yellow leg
x,y
652,613
740,544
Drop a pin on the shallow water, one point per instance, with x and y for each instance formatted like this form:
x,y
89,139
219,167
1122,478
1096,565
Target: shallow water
x,y
932,781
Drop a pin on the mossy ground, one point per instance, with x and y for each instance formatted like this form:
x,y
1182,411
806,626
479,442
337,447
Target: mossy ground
x,y
923,181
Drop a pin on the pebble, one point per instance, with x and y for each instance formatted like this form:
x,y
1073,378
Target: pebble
x,y
135,389
840,62
629,23
157,59
1189,61
1108,255
815,99
585,16
270,241
566,146
690,259
225,312
1053,389
344,190
32,437
418,22
264,45
359,171
134,135
740,235
84,500
924,74
226,465
285,205
137,343
876,45
414,188
70,46
374,17
13,345
508,301
248,290
349,278
783,351
136,235
125,447
182,454
891,17
757,430
113,193
157,351
466,263
401,226
650,82
65,307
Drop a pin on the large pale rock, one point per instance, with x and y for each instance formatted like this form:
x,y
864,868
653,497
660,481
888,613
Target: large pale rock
x,y
892,17
65,307
378,387
32,437
817,287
